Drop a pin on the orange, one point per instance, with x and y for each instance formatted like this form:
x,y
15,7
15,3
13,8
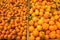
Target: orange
x,y
47,32
31,28
9,36
59,20
41,21
58,24
7,32
46,20
23,38
13,36
31,38
31,22
56,16
41,14
34,18
52,34
51,22
35,24
46,15
20,34
37,38
18,37
46,37
2,35
22,28
36,12
3,32
55,12
39,27
52,28
52,18
35,33
5,36
57,36
58,32
41,34
24,33
45,26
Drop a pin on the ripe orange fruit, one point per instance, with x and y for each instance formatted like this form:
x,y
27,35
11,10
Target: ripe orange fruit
x,y
13,36
5,36
18,37
35,19
10,36
31,38
55,13
20,33
52,34
31,28
41,34
31,22
58,25
47,32
22,28
39,27
46,20
46,15
35,24
46,37
41,14
51,22
35,33
45,26
52,28
3,32
36,12
2,35
41,21
37,38
58,32
59,20
23,38
24,33
52,19
7,32
57,35
56,16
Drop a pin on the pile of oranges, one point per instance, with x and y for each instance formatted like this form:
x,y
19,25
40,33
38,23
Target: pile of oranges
x,y
13,20
34,20
44,20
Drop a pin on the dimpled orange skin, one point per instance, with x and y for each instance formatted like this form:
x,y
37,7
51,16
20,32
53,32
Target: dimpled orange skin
x,y
52,34
47,32
45,26
37,38
35,33
31,38
13,20
52,28
31,28
48,18
39,27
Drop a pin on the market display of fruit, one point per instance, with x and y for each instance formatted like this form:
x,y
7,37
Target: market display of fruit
x,y
13,20
29,19
44,23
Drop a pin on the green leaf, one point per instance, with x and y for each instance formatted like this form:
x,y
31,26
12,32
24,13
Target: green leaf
x,y
29,18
